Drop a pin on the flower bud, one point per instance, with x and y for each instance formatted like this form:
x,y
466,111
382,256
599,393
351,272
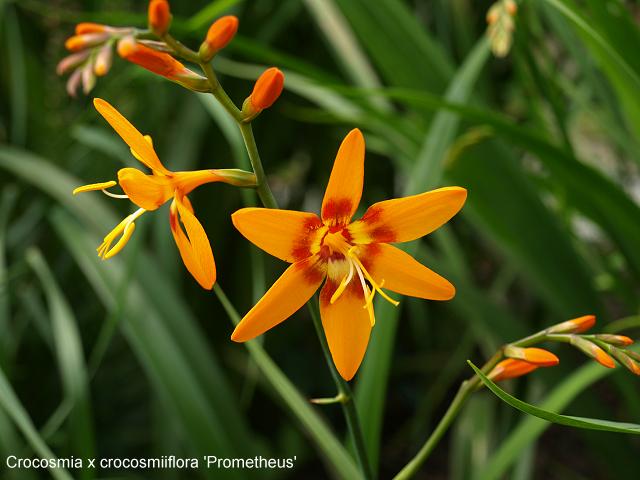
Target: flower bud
x,y
537,356
576,325
617,340
511,7
625,360
86,40
219,35
159,16
161,64
266,91
88,27
592,350
71,61
511,368
88,78
103,61
73,82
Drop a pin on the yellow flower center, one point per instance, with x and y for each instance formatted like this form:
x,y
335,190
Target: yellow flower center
x,y
354,266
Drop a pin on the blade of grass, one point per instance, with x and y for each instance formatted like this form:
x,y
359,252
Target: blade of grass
x,y
18,414
71,363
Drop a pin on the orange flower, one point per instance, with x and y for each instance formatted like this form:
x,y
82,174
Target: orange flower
x,y
511,368
159,16
219,35
149,192
161,64
354,259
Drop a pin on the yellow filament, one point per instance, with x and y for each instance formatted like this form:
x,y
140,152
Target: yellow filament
x,y
128,231
94,186
376,288
356,264
126,228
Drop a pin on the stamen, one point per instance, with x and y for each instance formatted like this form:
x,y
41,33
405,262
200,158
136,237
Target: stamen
x,y
126,228
376,288
94,186
114,195
343,284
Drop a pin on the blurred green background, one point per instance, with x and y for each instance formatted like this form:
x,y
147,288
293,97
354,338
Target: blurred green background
x,y
130,358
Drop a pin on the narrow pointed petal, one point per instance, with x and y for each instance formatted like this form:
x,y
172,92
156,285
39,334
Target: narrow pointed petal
x,y
130,135
290,292
344,189
346,325
194,247
399,272
286,234
146,191
408,218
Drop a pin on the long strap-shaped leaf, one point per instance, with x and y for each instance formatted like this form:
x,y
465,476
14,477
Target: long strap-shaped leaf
x,y
568,420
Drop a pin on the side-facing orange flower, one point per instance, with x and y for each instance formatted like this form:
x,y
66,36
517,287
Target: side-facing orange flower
x,y
355,258
149,192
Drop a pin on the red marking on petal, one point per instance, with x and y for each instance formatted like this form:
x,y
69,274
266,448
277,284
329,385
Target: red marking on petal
x,y
337,211
383,235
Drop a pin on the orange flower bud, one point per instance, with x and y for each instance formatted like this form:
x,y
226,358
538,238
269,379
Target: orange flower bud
x,y
576,325
103,61
219,35
625,359
511,7
617,340
80,42
511,368
161,64
88,27
266,90
592,350
537,356
159,16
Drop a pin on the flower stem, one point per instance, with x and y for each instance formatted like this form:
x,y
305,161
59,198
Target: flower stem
x,y
345,395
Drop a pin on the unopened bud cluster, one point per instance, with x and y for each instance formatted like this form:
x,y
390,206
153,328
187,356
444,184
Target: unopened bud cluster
x,y
606,349
501,24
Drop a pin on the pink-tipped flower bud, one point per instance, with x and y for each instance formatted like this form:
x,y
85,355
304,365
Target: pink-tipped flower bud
x,y
71,61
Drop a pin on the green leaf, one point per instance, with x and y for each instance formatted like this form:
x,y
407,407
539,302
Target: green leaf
x,y
70,357
567,420
14,409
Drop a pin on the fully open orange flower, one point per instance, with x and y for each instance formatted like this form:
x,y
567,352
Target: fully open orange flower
x,y
149,192
354,259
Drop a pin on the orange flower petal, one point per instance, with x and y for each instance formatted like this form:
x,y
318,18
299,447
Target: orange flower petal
x,y
130,135
289,235
408,218
194,247
511,368
346,325
342,197
290,292
398,271
146,191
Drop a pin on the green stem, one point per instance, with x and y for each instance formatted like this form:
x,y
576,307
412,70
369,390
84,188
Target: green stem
x,y
262,187
345,395
411,468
